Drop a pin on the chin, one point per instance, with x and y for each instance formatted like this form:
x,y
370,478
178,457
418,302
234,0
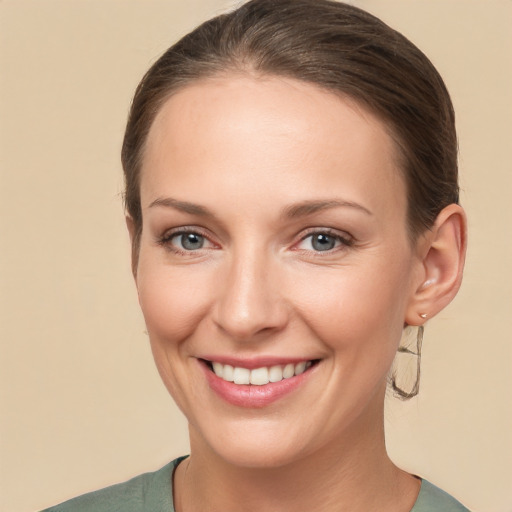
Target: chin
x,y
257,456
256,445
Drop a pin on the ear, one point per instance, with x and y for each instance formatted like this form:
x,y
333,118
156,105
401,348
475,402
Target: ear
x,y
130,224
441,255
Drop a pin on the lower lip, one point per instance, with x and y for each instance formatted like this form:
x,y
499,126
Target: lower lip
x,y
252,396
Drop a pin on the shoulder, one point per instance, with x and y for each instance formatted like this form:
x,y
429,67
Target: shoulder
x,y
146,492
433,499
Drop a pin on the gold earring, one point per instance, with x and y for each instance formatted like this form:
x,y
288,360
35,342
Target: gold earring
x,y
408,349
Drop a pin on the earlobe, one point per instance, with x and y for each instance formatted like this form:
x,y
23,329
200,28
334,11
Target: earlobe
x,y
443,251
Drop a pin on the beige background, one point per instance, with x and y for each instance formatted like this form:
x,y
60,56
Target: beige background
x,y
81,404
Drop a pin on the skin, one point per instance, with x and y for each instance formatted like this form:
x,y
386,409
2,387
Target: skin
x,y
253,151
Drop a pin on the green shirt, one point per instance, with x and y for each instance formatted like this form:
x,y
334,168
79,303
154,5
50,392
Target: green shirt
x,y
152,492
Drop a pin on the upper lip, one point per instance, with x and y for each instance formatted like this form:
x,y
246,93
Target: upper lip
x,y
255,362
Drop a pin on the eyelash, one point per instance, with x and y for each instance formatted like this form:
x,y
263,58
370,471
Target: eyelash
x,y
345,241
165,240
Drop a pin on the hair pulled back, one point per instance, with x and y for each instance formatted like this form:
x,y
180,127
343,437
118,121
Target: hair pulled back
x,y
335,46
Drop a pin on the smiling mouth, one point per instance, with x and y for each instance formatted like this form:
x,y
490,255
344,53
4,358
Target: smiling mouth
x,y
259,376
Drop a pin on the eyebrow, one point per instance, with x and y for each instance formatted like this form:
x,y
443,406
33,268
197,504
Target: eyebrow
x,y
301,209
305,208
182,206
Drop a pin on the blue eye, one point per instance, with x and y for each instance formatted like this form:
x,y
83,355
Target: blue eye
x,y
323,242
186,241
189,241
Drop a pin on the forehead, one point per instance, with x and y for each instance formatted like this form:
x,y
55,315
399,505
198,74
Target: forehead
x,y
269,130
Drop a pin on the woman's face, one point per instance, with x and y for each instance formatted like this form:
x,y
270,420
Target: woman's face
x,y
274,250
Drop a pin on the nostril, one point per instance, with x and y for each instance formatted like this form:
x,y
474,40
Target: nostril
x,y
252,321
248,302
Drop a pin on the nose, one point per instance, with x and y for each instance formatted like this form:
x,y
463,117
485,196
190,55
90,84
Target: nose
x,y
249,302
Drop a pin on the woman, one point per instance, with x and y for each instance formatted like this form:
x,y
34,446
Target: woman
x,y
291,196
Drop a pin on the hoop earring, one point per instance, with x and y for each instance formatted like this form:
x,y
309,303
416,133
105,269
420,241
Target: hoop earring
x,y
397,390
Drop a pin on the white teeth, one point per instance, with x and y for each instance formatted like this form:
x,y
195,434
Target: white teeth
x,y
275,374
300,367
288,371
217,368
259,376
241,375
228,373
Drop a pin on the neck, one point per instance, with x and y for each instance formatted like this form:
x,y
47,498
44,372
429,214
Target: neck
x,y
353,474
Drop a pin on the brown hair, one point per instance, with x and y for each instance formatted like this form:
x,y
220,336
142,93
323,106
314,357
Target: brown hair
x,y
335,46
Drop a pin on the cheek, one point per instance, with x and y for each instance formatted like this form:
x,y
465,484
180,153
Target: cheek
x,y
355,311
172,300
